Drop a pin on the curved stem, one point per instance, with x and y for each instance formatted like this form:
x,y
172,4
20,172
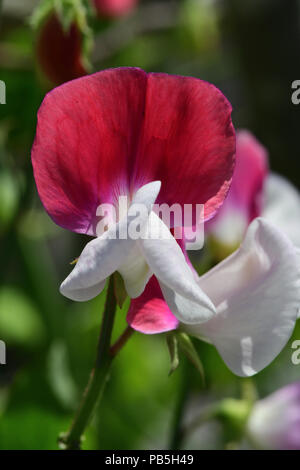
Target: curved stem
x,y
115,348
98,377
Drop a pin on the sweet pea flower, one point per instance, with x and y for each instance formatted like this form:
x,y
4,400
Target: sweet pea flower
x,y
60,52
256,292
114,8
274,423
255,192
151,137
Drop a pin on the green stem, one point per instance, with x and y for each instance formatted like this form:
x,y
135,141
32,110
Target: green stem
x,y
176,430
98,377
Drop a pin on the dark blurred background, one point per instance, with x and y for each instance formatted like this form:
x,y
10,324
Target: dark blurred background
x,y
250,49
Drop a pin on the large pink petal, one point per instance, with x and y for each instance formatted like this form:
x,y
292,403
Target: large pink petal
x,y
149,313
188,141
85,144
114,131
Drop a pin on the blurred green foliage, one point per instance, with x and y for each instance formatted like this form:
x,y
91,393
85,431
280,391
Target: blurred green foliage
x,y
51,342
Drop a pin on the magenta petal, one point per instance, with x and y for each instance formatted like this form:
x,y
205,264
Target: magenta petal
x,y
85,144
188,141
112,132
114,8
149,313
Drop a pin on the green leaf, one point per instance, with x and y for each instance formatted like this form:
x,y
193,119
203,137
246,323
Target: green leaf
x,y
35,225
31,428
59,374
9,196
20,322
234,414
172,344
186,346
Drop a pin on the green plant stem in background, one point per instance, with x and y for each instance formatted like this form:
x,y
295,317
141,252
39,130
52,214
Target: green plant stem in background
x,y
98,377
177,435
121,341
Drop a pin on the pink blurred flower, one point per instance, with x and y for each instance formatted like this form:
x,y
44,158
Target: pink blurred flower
x,y
255,192
150,137
114,8
274,422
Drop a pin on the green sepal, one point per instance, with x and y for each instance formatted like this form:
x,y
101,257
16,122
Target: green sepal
x,y
186,346
119,289
172,344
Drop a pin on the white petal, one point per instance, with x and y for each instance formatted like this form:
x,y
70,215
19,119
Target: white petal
x,y
257,292
102,256
282,206
135,272
165,258
82,295
186,309
147,194
98,260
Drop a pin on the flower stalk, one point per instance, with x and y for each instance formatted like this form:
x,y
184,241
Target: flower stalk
x,y
99,375
177,436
